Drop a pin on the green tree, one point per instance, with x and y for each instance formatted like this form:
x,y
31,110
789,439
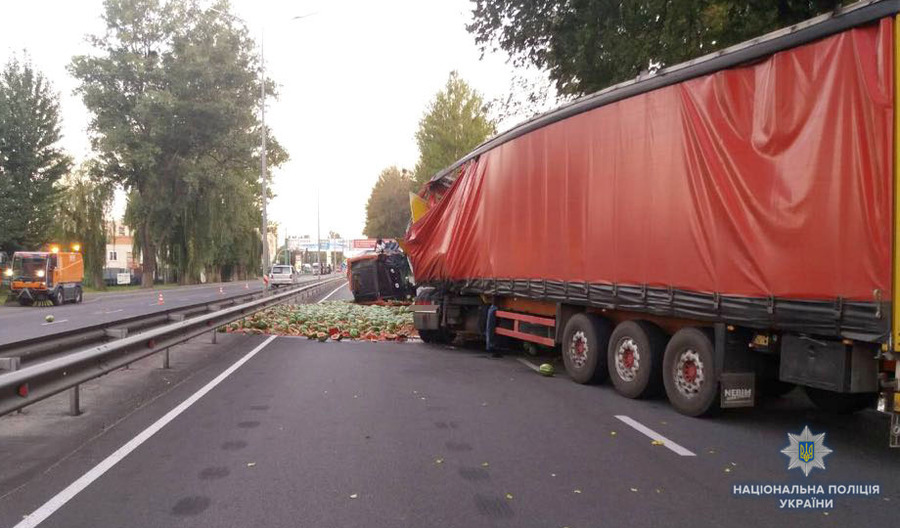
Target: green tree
x,y
174,89
387,211
587,45
455,122
83,209
31,163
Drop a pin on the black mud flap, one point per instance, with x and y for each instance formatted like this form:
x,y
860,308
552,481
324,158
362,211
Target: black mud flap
x,y
738,389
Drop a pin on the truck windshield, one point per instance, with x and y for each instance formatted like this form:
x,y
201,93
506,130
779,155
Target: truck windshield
x,y
27,268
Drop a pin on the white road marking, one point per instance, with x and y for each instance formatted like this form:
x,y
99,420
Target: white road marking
x,y
55,322
529,364
332,293
655,436
107,312
64,496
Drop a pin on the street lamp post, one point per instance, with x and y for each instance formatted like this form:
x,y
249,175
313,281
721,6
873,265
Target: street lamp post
x,y
262,140
318,233
263,168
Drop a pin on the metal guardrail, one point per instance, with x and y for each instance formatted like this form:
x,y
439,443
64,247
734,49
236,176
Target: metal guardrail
x,y
43,346
32,384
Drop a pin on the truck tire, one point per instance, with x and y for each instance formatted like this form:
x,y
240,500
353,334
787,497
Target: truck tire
x,y
584,345
635,357
57,298
79,295
840,402
689,373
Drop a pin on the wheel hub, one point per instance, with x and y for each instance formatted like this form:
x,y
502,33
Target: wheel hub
x,y
579,349
628,359
689,375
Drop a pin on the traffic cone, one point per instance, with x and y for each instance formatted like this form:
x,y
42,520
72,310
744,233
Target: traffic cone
x,y
159,300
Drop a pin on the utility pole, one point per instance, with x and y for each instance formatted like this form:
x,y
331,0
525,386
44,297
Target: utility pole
x,y
265,197
262,110
318,233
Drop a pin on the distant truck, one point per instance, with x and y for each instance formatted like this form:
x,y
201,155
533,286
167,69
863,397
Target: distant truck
x,y
41,276
715,231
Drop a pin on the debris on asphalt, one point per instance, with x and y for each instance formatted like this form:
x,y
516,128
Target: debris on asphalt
x,y
353,496
657,443
484,464
335,320
438,461
612,433
634,490
728,470
251,464
509,496
577,491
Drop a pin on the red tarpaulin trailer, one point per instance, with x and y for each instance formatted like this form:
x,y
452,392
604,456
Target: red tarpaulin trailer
x,y
719,227
771,180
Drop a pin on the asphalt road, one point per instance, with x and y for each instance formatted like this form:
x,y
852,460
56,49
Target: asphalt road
x,y
24,322
389,435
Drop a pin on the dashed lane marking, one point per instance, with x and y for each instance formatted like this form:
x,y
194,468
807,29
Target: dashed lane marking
x,y
646,431
529,364
332,293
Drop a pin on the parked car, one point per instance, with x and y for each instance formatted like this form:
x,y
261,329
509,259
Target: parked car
x,y
281,275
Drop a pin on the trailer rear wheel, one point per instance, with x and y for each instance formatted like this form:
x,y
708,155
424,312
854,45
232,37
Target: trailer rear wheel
x,y
584,345
689,373
635,356
840,402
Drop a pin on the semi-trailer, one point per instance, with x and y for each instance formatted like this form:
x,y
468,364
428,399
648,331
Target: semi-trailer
x,y
712,230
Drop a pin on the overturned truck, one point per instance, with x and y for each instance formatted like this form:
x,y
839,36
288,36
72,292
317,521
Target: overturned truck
x,y
714,230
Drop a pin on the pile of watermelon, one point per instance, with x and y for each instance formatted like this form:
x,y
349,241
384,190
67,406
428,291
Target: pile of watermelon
x,y
330,320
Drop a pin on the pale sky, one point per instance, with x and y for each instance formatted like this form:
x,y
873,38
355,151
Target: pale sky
x,y
354,81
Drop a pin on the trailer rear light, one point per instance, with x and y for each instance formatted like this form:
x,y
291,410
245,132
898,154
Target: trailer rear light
x,y
22,390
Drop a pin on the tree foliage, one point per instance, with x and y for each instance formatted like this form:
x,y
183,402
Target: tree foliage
x,y
387,211
455,122
586,45
85,201
31,163
174,91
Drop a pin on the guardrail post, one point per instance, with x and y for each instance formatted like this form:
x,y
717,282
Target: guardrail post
x,y
75,400
11,364
166,359
117,333
214,332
